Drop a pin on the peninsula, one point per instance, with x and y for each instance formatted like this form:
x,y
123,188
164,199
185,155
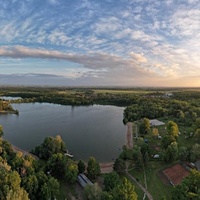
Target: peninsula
x,y
6,108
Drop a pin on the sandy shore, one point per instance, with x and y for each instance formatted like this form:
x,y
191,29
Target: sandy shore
x,y
129,135
106,167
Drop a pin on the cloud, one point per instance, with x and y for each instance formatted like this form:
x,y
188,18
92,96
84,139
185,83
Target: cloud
x,y
185,22
138,57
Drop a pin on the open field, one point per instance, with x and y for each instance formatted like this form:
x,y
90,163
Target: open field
x,y
118,91
154,184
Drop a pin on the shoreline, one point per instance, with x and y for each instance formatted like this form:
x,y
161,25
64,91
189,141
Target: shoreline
x,y
9,112
129,135
105,167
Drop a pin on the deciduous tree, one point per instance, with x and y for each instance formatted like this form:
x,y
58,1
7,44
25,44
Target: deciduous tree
x,y
125,191
197,134
119,165
189,188
1,130
171,153
111,180
72,172
172,129
92,192
57,165
93,168
81,166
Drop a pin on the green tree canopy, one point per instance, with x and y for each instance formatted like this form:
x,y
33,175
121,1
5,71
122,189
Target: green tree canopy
x,y
49,147
111,180
81,166
72,172
144,127
189,188
10,183
171,153
125,191
93,168
172,129
167,140
92,192
57,165
197,134
119,165
1,130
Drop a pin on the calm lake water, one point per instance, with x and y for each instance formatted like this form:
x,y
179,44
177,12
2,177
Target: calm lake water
x,y
87,130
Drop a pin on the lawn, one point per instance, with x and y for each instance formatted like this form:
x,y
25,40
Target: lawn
x,y
139,192
154,185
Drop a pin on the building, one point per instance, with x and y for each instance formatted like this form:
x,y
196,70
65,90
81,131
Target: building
x,y
84,180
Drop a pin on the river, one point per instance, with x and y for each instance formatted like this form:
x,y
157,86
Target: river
x,y
87,130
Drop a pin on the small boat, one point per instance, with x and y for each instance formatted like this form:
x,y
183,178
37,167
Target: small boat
x,y
67,153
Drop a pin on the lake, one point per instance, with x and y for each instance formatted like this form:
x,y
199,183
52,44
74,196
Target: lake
x,y
87,130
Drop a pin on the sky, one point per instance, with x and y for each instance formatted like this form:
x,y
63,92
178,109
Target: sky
x,y
100,43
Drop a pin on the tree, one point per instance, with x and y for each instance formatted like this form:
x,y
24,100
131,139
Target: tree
x,y
125,191
48,186
10,183
17,194
57,165
17,161
119,165
49,147
144,126
30,184
167,140
138,158
126,153
189,188
1,130
183,153
81,166
179,192
93,168
155,132
197,134
53,186
171,153
106,196
72,172
195,152
92,192
172,129
111,180
196,125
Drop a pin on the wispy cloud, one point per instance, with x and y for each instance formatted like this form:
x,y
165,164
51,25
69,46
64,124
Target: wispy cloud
x,y
137,42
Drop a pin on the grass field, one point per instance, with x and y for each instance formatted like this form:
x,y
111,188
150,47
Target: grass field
x,y
139,192
118,91
154,185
